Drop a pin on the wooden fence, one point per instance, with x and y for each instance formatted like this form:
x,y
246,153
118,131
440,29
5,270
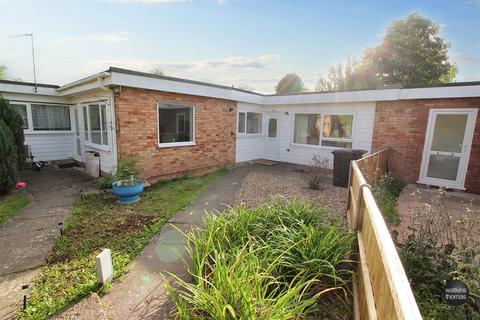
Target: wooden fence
x,y
381,288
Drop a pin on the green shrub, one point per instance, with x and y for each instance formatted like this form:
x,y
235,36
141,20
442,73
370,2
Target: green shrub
x,y
15,122
386,193
126,168
12,151
439,248
8,159
279,261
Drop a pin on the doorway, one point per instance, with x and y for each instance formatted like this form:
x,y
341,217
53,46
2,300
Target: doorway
x,y
447,147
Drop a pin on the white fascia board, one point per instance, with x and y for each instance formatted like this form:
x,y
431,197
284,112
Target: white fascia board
x,y
86,87
440,92
334,97
27,89
29,97
137,81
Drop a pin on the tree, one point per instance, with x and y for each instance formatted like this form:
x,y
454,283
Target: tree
x,y
245,86
3,72
290,83
157,71
12,148
411,53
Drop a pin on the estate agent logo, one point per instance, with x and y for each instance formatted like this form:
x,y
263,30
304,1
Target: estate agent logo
x,y
455,292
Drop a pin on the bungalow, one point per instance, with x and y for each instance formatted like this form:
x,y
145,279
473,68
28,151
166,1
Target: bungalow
x,y
176,126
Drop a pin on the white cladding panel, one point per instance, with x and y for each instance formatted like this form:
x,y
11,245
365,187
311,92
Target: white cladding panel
x,y
249,148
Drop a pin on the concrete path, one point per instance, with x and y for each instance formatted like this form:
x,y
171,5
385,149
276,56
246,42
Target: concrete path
x,y
140,294
28,238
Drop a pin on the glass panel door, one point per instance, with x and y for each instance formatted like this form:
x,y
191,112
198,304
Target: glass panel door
x,y
447,147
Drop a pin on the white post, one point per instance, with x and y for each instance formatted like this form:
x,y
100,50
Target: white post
x,y
104,266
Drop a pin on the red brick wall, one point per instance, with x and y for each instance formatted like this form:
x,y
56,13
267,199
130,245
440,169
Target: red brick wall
x,y
402,126
136,119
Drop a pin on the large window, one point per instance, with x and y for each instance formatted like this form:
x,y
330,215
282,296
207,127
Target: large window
x,y
50,117
22,110
250,122
175,124
95,123
327,130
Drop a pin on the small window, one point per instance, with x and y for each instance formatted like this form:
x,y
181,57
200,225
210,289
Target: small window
x,y
175,123
254,123
272,128
307,129
50,118
241,122
22,109
85,122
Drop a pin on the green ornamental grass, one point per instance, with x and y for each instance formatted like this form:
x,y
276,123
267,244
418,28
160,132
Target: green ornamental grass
x,y
280,261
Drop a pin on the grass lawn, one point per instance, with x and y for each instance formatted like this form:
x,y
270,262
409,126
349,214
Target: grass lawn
x,y
280,261
98,222
11,204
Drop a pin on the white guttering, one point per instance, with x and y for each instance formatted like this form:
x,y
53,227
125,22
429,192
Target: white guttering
x,y
27,89
185,87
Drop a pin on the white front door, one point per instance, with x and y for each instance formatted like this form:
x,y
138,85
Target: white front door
x,y
78,153
272,146
447,147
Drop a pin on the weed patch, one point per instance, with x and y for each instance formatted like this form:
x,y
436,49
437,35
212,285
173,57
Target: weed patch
x,y
11,204
386,193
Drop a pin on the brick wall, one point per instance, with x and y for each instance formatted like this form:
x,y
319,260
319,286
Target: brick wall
x,y
215,134
402,126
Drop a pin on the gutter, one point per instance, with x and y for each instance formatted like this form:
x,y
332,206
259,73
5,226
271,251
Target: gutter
x,y
92,78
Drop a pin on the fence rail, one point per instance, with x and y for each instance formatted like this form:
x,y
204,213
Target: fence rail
x,y
381,288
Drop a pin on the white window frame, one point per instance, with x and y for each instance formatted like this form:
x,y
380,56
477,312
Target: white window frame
x,y
322,138
176,144
244,133
88,141
26,112
30,129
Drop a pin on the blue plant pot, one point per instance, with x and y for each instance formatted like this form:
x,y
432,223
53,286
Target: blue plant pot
x,y
128,194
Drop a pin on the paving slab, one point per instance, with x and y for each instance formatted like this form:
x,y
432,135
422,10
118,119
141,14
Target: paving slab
x,y
90,308
28,238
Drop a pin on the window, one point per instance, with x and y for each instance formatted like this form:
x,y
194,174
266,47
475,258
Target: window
x,y
22,109
307,129
325,130
241,122
175,124
272,128
49,117
95,123
250,122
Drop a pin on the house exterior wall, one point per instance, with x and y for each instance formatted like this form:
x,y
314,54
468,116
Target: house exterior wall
x,y
249,146
402,126
136,123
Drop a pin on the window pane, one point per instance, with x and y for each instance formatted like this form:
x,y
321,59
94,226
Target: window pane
x,y
95,133
272,128
175,123
47,117
337,126
254,122
241,122
449,132
307,129
104,125
443,167
337,144
22,109
85,122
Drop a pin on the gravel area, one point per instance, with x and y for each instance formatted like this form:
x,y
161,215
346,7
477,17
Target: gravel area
x,y
260,187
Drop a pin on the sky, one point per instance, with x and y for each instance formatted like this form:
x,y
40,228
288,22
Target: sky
x,y
226,42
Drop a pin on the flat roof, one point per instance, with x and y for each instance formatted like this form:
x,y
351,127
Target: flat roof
x,y
30,84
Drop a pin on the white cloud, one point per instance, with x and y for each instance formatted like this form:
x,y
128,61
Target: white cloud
x,y
461,58
114,37
269,57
